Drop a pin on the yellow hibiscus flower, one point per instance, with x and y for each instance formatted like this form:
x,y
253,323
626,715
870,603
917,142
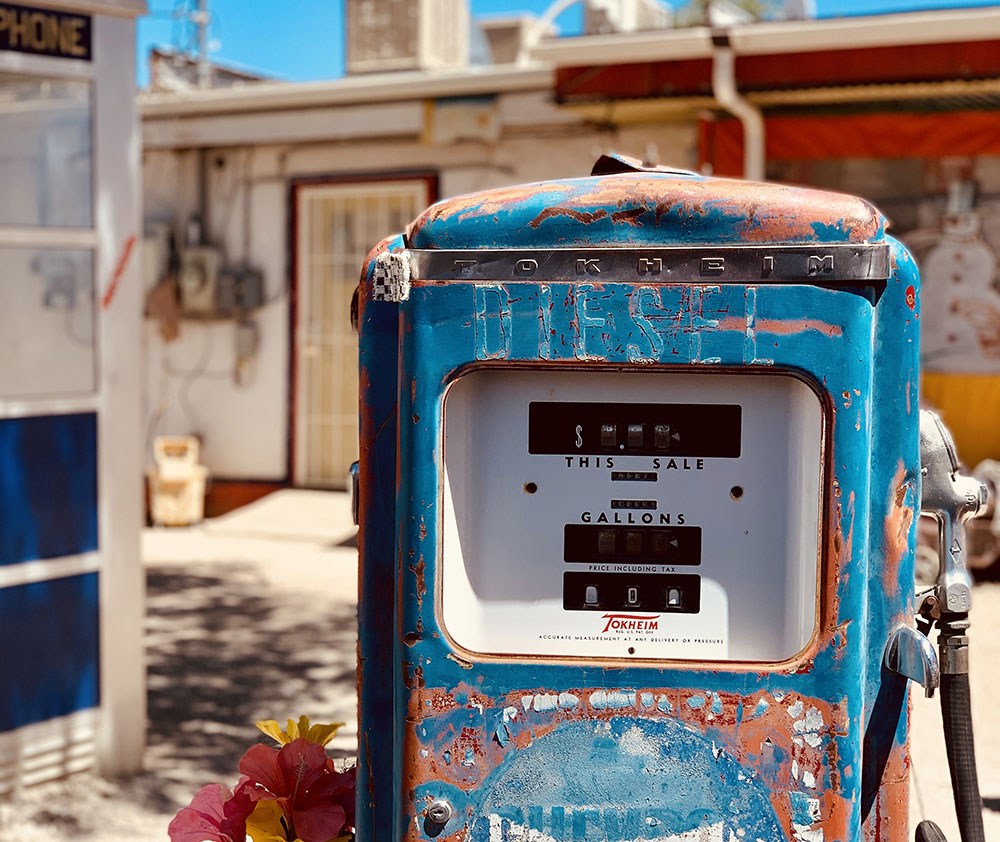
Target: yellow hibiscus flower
x,y
319,733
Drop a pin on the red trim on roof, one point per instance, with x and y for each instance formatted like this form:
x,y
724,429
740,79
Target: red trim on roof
x,y
864,66
885,135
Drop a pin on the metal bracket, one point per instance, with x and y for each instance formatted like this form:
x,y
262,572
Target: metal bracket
x,y
391,277
818,263
911,654
355,474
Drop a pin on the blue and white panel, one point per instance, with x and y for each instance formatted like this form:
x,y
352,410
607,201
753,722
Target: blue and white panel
x,y
49,597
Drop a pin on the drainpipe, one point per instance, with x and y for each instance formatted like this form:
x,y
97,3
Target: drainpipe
x,y
540,27
725,93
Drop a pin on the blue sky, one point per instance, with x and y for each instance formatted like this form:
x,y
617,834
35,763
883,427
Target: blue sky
x,y
302,40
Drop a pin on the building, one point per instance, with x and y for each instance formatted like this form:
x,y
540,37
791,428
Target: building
x,y
72,685
279,190
291,185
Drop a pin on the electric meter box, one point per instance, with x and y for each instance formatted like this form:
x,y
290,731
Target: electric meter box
x,y
639,461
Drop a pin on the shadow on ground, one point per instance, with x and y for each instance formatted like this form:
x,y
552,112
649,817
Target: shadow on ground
x,y
225,650
225,647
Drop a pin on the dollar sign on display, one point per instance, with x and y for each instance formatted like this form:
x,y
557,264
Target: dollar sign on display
x,y
579,436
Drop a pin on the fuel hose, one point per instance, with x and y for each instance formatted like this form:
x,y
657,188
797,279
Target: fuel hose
x,y
956,710
928,831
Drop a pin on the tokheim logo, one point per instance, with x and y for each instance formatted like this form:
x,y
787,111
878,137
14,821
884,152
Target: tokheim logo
x,y
630,622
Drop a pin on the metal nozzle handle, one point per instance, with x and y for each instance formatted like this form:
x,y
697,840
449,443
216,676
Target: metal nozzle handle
x,y
951,498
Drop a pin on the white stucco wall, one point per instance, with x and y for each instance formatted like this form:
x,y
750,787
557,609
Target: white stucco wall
x,y
189,387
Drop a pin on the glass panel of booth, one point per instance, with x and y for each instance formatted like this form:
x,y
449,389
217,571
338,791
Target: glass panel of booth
x,y
46,155
47,315
47,323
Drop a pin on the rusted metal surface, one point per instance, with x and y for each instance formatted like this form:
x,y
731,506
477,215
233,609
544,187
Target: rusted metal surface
x,y
813,749
644,208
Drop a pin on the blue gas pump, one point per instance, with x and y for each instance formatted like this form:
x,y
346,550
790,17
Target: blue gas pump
x,y
640,464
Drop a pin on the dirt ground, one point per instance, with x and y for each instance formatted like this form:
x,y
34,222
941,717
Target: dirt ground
x,y
252,616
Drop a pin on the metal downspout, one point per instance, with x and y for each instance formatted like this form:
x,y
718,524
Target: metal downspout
x,y
726,94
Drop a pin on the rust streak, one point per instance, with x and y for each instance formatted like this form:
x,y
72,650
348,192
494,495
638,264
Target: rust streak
x,y
897,529
629,217
586,217
781,327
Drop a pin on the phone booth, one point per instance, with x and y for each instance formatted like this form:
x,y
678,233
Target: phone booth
x,y
639,470
72,681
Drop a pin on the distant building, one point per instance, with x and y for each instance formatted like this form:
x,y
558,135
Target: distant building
x,y
172,70
279,190
72,688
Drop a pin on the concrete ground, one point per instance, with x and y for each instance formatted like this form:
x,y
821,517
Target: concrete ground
x,y
252,616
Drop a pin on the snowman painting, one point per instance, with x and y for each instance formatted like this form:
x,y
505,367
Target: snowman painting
x,y
959,315
960,326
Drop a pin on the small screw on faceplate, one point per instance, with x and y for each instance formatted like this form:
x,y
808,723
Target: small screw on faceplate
x,y
440,811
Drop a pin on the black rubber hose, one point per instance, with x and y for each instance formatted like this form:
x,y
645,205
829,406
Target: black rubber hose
x,y
956,709
927,831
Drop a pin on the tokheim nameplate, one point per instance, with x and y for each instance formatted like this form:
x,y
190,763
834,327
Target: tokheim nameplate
x,y
837,263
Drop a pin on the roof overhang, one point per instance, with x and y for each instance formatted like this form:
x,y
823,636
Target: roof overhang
x,y
353,90
932,27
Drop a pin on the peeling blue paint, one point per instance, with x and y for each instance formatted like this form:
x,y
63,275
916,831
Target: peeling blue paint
x,y
501,734
612,699
551,787
805,808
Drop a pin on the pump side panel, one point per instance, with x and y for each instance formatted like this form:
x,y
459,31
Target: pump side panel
x,y
377,640
667,748
894,502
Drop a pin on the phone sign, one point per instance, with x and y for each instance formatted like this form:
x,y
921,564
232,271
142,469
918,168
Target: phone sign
x,y
45,32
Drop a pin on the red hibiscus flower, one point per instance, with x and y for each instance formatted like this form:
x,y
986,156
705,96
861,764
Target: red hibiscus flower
x,y
215,815
311,794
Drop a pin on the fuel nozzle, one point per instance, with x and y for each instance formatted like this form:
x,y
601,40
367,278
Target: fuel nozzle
x,y
951,498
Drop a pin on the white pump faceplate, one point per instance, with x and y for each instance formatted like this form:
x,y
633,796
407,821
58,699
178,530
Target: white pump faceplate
x,y
631,515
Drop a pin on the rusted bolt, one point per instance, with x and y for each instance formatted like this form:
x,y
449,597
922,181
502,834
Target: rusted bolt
x,y
440,811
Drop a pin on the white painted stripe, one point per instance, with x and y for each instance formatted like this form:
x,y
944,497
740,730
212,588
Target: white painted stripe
x,y
26,408
47,750
42,570
61,238
13,62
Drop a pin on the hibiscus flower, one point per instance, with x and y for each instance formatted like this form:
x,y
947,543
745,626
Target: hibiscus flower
x,y
299,794
215,815
318,733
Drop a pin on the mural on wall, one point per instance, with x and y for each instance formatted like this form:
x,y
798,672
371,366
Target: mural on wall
x,y
960,329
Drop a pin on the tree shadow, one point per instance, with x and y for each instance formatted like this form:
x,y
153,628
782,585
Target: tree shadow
x,y
224,651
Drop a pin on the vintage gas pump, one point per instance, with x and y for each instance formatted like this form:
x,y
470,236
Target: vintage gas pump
x,y
640,459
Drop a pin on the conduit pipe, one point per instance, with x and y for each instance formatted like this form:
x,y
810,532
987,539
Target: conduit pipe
x,y
726,94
